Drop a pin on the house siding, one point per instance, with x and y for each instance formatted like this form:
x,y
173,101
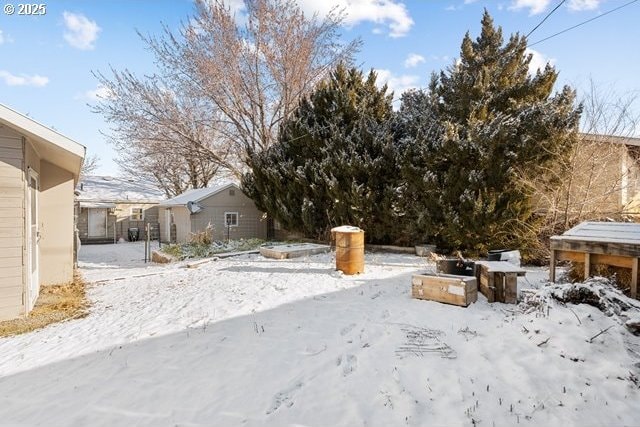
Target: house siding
x,y
251,223
119,222
56,225
12,224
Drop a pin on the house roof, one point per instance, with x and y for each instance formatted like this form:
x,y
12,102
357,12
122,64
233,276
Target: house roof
x,y
52,146
108,189
197,194
626,140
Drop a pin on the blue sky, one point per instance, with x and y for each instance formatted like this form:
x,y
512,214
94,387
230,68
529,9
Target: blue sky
x,y
46,61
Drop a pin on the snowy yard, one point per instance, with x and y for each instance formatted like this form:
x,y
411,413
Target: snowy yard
x,y
252,341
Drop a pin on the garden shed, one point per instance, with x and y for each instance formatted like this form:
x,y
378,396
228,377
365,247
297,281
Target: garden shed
x,y
38,171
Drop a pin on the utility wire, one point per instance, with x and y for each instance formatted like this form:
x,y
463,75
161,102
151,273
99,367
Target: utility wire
x,y
582,23
545,18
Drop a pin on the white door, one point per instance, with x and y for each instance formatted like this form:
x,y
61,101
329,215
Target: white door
x,y
97,222
34,238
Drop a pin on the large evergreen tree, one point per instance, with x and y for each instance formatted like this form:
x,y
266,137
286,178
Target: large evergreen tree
x,y
484,128
334,162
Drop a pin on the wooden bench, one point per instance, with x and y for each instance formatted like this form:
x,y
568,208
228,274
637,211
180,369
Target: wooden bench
x,y
498,280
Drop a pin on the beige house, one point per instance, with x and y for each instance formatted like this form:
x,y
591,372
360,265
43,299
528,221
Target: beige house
x,y
606,175
109,209
38,172
229,211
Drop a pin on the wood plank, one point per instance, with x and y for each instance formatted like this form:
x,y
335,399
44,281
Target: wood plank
x,y
597,247
615,260
501,266
552,266
487,284
511,288
587,265
634,278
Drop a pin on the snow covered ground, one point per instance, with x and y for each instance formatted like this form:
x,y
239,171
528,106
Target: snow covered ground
x,y
251,341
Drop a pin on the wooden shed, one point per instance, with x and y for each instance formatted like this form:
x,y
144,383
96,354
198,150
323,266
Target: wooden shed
x,y
38,172
229,211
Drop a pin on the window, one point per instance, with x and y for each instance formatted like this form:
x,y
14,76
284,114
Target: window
x,y
136,214
231,219
232,192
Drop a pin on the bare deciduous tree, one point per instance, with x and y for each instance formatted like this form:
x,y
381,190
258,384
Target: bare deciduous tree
x,y
160,133
597,177
222,89
89,165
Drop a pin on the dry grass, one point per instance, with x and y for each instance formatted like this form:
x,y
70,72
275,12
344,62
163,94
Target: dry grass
x,y
55,304
620,276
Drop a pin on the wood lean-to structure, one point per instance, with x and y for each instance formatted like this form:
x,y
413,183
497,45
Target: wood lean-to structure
x,y
610,243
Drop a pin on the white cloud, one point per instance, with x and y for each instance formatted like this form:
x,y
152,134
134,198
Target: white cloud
x,y
81,32
100,92
535,6
580,5
2,39
538,61
390,13
413,60
23,79
469,1
397,84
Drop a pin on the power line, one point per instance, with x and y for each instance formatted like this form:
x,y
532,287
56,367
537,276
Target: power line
x,y
582,23
545,18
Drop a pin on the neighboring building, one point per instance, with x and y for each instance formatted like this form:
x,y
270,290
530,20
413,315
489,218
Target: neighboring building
x,y
606,175
38,172
107,208
229,211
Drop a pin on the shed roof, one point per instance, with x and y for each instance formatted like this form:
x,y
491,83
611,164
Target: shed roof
x,y
52,146
197,194
108,189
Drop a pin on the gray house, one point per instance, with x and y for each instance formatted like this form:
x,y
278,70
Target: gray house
x,y
229,211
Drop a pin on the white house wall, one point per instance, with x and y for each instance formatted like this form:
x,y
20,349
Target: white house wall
x,y
12,224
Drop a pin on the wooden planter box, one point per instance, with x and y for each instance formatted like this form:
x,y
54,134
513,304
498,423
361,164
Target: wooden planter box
x,y
446,288
498,280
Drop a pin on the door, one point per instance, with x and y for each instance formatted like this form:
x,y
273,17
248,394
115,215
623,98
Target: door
x,y
33,280
97,222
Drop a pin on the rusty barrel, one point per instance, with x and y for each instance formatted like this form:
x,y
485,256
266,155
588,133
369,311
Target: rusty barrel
x,y
349,249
